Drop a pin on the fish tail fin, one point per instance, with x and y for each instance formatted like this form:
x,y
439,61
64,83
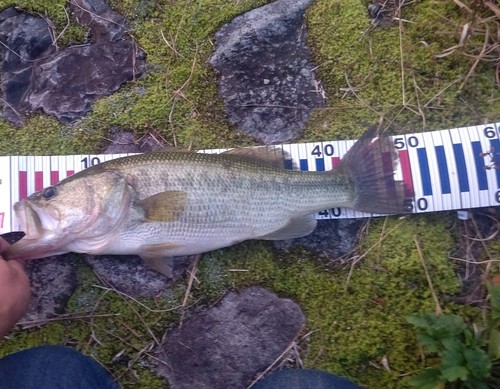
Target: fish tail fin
x,y
369,166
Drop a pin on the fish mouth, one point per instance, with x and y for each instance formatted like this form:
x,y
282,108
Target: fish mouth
x,y
37,242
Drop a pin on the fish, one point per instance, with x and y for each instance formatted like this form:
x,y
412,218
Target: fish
x,y
164,204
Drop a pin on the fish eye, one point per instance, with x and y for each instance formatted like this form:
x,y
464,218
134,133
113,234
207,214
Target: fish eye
x,y
49,192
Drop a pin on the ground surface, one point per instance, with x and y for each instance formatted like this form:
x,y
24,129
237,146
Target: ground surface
x,y
411,75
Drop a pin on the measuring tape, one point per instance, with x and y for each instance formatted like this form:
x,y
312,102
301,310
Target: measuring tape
x,y
450,169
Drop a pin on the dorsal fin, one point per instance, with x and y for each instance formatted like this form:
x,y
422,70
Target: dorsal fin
x,y
273,156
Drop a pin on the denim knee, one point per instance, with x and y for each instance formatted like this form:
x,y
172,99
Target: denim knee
x,y
52,367
304,379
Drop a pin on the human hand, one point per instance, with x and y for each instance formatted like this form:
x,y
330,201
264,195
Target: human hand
x,y
15,292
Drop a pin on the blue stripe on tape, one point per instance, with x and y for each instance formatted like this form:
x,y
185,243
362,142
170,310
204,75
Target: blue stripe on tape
x,y
304,165
288,163
495,146
320,164
480,166
443,170
463,179
424,171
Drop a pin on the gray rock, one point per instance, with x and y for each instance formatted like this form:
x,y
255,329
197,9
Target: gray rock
x,y
126,142
265,75
331,238
130,275
53,281
64,82
229,344
122,142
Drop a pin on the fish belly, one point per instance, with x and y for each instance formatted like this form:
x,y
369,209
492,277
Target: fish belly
x,y
205,225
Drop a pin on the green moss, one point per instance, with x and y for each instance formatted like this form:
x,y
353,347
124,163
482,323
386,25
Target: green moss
x,y
67,30
177,98
44,135
109,327
235,267
395,73
495,254
353,327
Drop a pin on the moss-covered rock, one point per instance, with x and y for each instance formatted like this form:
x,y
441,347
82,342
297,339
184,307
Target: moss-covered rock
x,y
356,318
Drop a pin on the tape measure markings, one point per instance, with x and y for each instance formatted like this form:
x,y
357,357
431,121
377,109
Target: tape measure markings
x,y
495,147
482,181
405,175
54,170
463,177
480,171
432,180
487,178
439,170
5,191
288,162
302,153
418,176
491,160
452,184
446,169
442,168
308,160
470,166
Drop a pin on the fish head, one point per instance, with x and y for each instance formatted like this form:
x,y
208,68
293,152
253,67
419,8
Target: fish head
x,y
78,214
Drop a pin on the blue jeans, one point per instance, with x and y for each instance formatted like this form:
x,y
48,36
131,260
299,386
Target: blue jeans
x,y
53,367
304,379
56,367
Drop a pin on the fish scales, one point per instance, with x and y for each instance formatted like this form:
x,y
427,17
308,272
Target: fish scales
x,y
164,204
226,196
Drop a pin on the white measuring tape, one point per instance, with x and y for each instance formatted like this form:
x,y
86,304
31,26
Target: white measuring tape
x,y
450,169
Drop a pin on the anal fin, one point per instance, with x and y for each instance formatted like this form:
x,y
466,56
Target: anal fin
x,y
157,257
295,228
163,265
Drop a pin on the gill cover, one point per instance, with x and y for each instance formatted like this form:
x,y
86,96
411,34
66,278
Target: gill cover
x,y
78,214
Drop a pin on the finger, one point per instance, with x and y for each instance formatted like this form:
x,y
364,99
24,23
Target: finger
x,y
17,265
3,244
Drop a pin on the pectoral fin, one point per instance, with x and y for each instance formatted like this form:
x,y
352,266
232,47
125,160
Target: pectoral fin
x,y
295,228
164,206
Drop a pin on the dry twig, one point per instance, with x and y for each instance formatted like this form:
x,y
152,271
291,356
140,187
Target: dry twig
x,y
439,310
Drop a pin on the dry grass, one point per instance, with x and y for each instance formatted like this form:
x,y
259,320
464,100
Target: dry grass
x,y
476,262
355,259
290,357
479,37
439,310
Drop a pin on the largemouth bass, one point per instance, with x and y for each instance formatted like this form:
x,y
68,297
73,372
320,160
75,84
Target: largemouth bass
x,y
164,204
